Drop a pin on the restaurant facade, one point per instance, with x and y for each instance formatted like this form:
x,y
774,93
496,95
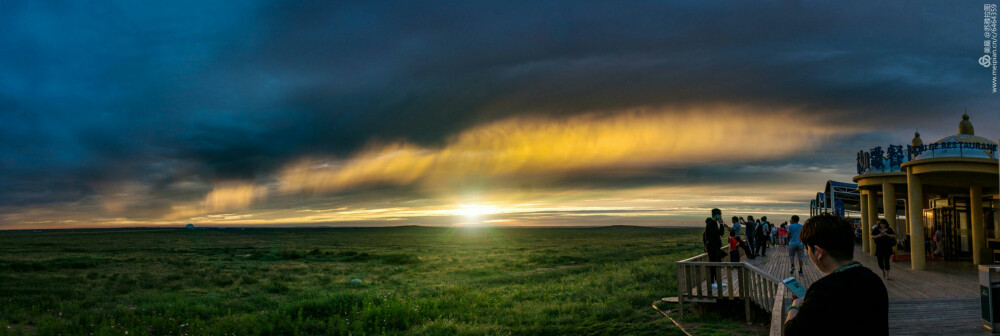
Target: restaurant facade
x,y
949,186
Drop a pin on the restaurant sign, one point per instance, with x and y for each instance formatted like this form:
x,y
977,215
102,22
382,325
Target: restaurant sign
x,y
887,160
879,160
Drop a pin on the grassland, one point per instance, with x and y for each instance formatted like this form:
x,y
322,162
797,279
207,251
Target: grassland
x,y
402,280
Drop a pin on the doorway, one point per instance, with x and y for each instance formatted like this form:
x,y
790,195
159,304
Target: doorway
x,y
956,232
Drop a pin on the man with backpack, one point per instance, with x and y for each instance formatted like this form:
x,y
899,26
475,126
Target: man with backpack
x,y
750,226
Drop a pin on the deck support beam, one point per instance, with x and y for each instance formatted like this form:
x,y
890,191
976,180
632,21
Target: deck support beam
x,y
915,199
889,206
978,227
872,217
900,235
866,223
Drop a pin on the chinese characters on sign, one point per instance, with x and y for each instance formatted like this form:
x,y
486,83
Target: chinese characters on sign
x,y
877,160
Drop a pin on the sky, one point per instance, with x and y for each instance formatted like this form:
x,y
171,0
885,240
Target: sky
x,y
543,113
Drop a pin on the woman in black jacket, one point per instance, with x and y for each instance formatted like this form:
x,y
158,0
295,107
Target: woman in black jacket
x,y
885,239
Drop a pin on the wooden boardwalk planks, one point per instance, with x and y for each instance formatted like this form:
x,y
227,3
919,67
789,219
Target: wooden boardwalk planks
x,y
941,279
935,316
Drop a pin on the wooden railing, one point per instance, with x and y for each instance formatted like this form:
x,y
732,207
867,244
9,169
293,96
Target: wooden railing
x,y
741,279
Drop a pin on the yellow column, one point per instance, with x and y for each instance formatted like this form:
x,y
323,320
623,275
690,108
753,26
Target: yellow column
x,y
889,206
905,228
865,223
872,217
978,227
918,259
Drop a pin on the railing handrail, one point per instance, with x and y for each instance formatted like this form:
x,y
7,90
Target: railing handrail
x,y
704,255
713,263
765,274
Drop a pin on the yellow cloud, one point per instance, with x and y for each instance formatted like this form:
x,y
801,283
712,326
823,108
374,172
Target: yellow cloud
x,y
230,196
525,146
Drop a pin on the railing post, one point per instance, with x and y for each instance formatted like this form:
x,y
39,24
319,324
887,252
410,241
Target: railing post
x,y
701,278
729,278
681,289
745,290
718,281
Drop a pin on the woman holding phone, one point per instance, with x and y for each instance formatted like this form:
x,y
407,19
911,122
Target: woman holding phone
x,y
885,239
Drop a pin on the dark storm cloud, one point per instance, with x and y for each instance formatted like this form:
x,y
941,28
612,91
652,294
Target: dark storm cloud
x,y
177,96
418,71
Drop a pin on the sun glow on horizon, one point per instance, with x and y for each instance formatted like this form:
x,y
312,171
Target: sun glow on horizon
x,y
472,214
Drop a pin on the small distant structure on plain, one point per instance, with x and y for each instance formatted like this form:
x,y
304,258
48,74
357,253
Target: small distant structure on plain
x,y
189,226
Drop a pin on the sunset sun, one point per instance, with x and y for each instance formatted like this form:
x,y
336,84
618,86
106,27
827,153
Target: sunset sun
x,y
473,214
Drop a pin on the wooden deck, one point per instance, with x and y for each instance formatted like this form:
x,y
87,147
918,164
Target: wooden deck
x,y
943,299
941,279
935,316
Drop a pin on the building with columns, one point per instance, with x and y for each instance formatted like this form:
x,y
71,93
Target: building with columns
x,y
949,185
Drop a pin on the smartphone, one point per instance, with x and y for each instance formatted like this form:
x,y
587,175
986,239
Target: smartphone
x,y
794,286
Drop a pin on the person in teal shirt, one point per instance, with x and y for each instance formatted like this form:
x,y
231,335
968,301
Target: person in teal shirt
x,y
795,248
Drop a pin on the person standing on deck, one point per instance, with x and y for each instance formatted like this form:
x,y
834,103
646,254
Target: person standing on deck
x,y
850,299
938,242
767,230
714,229
795,248
737,229
750,225
734,247
783,234
761,238
773,232
885,239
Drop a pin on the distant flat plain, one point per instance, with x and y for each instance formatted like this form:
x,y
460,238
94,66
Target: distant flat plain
x,y
345,281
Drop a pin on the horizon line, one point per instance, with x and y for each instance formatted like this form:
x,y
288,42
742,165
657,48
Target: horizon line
x,y
223,227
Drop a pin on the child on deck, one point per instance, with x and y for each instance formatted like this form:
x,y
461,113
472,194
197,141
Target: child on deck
x,y
783,234
734,247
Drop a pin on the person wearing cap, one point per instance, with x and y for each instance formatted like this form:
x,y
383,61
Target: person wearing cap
x,y
850,299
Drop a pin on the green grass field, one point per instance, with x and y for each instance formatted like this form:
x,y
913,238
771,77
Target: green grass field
x,y
402,280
